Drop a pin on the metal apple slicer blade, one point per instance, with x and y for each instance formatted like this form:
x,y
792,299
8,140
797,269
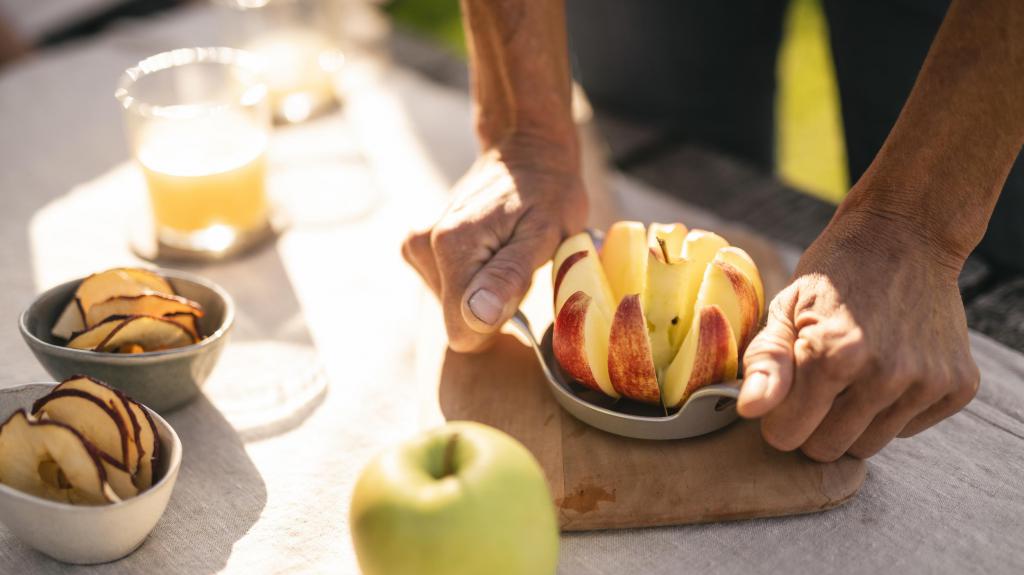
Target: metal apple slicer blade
x,y
707,409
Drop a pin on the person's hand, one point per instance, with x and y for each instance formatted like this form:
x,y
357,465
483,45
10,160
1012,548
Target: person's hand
x,y
508,215
868,343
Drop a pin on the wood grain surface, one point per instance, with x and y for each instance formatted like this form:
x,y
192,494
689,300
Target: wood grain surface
x,y
602,481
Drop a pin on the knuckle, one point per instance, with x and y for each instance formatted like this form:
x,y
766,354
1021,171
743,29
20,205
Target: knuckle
x,y
508,275
821,451
777,436
416,244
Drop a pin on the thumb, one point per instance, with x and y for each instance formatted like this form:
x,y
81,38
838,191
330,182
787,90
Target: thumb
x,y
768,361
496,290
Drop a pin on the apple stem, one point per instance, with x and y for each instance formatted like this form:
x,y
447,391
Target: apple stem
x,y
448,464
664,249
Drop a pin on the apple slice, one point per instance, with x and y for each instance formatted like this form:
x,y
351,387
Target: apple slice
x,y
708,355
70,322
581,271
149,279
152,304
700,247
742,261
630,363
145,333
624,257
731,290
672,234
105,285
90,338
118,476
51,460
149,445
665,303
580,342
187,320
92,418
580,242
121,406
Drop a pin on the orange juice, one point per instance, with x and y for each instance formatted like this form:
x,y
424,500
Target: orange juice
x,y
204,172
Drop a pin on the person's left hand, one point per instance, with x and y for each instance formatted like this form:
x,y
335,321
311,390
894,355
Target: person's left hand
x,y
868,343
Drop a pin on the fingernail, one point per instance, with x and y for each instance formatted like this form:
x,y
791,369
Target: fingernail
x,y
486,306
755,386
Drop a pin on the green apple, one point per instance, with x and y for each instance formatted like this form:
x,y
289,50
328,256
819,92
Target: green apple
x,y
461,499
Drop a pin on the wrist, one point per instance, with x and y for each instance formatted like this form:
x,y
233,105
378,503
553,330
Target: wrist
x,y
901,223
550,151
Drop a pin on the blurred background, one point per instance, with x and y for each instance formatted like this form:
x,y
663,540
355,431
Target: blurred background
x,y
810,152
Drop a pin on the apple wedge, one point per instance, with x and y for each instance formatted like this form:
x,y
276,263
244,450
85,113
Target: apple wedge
x,y
51,460
144,333
665,303
581,271
580,242
580,342
700,247
151,304
630,363
624,258
731,290
742,261
672,235
121,406
106,285
90,338
707,355
92,418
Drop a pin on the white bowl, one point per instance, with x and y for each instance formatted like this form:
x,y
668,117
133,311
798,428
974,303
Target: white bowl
x,y
87,535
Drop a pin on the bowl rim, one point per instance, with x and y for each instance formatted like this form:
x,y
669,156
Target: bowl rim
x,y
173,466
110,357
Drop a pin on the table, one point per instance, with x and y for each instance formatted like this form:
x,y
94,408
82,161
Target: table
x,y
332,303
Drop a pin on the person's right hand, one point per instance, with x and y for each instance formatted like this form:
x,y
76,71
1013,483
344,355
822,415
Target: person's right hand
x,y
509,213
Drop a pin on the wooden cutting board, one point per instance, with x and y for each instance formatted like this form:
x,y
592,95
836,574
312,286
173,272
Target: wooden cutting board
x,y
602,481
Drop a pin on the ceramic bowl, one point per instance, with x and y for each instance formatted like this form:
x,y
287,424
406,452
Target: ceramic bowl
x,y
82,534
162,380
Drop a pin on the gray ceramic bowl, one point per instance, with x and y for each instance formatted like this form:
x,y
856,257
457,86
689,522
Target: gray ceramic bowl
x,y
81,534
163,380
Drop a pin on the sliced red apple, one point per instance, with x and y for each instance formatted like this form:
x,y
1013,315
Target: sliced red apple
x,y
708,355
89,339
145,333
731,290
742,261
630,364
665,304
700,247
624,258
580,242
121,406
51,460
152,304
581,271
671,234
92,418
580,342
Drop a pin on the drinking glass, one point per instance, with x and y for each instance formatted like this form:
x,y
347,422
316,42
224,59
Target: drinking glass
x,y
198,124
295,40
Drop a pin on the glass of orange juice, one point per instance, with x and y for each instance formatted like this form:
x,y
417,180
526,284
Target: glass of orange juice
x,y
198,122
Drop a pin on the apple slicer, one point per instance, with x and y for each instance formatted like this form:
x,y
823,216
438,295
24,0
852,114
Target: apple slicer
x,y
707,409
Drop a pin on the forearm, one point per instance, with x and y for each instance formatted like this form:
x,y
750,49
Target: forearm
x,y
519,66
946,159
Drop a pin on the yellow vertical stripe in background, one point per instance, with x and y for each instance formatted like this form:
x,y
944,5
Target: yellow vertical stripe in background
x,y
811,153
